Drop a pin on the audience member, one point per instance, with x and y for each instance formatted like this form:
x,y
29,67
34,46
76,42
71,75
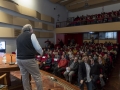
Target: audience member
x,y
61,66
84,74
47,62
71,69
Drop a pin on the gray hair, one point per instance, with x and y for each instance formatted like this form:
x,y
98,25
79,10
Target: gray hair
x,y
27,27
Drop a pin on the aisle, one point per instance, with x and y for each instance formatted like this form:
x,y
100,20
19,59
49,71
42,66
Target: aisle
x,y
114,79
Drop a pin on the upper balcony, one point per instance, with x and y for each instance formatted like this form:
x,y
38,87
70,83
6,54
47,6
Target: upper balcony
x,y
98,22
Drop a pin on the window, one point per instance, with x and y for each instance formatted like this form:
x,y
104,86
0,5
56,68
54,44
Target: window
x,y
86,36
102,35
115,35
111,35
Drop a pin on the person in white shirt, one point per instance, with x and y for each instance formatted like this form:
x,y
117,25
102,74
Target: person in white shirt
x,y
84,74
27,47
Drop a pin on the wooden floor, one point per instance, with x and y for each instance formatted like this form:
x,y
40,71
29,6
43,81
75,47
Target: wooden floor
x,y
48,83
113,82
114,79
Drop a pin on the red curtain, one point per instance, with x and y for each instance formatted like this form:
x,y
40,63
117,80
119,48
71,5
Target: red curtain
x,y
78,37
61,37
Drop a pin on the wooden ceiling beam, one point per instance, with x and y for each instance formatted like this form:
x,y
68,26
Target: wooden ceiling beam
x,y
67,2
55,1
74,1
95,5
81,5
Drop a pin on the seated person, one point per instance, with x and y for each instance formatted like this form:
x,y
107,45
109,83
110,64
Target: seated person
x,y
56,60
47,62
95,57
71,69
61,66
66,55
74,51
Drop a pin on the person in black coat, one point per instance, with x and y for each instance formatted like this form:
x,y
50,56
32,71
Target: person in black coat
x,y
47,62
71,69
96,72
84,74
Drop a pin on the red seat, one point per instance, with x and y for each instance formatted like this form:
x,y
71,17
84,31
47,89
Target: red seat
x,y
38,57
47,68
13,53
43,58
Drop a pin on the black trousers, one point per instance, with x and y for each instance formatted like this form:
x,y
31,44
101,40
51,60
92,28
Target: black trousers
x,y
43,65
58,71
94,80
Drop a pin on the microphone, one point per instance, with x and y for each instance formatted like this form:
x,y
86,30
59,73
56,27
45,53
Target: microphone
x,y
11,63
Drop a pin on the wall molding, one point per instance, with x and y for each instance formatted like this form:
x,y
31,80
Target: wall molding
x,y
112,26
22,10
102,41
13,33
14,20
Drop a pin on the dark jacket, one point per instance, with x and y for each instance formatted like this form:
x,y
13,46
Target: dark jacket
x,y
48,62
82,72
95,69
75,67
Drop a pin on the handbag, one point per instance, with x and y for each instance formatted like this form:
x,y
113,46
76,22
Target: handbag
x,y
102,82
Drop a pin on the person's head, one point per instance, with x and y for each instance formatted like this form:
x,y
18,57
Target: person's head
x,y
78,53
63,53
57,48
49,56
44,49
27,28
105,56
50,52
70,50
88,50
92,61
63,57
75,59
108,52
85,58
61,48
99,58
72,57
90,57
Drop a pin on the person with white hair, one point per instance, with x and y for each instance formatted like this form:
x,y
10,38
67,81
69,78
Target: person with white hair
x,y
27,45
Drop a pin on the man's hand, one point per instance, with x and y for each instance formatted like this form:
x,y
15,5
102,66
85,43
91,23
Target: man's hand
x,y
81,81
58,66
101,75
69,68
43,62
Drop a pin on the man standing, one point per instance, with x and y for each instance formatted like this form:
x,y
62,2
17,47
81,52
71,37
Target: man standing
x,y
27,45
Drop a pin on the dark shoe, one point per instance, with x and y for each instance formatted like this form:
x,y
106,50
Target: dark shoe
x,y
67,80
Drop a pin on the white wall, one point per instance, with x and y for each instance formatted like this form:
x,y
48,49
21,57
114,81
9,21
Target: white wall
x,y
45,7
11,43
98,10
42,6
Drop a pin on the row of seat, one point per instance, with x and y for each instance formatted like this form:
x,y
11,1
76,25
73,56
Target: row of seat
x,y
109,47
93,19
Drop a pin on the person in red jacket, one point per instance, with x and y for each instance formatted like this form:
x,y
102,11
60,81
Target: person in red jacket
x,y
61,66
